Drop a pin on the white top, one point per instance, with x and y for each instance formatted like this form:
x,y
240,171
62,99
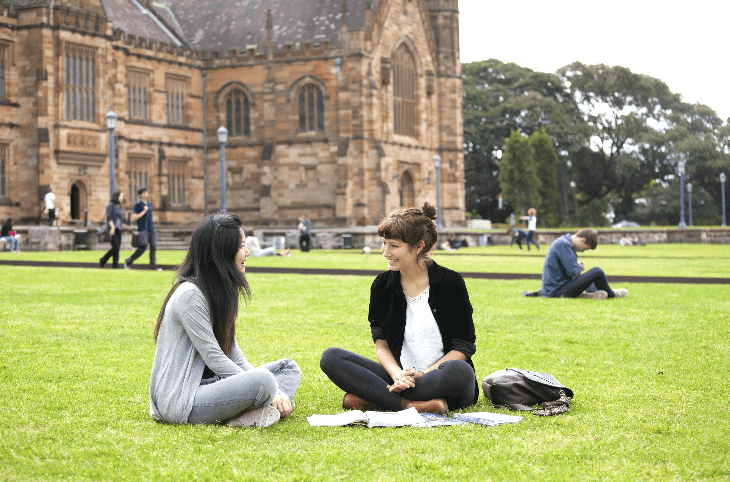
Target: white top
x,y
49,198
422,344
532,223
252,243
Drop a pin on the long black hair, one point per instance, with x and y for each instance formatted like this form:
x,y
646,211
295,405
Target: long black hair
x,y
115,197
210,264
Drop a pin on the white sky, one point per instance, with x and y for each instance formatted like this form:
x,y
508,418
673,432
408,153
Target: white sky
x,y
680,43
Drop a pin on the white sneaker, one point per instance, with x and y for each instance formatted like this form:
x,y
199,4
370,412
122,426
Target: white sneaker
x,y
594,295
621,293
255,417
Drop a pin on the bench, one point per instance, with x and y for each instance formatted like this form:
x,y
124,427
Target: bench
x,y
44,236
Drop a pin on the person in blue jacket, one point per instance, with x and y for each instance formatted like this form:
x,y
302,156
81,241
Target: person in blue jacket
x,y
561,272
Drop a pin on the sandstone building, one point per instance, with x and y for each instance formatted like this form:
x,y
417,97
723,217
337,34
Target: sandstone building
x,y
335,109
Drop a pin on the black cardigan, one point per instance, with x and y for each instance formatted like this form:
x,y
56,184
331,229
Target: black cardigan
x,y
449,302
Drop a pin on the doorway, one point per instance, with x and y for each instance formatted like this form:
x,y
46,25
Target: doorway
x,y
78,200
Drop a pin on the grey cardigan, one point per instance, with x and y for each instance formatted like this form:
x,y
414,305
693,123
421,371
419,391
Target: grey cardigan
x,y
185,345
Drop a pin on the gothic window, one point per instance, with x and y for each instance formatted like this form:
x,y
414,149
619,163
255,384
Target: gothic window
x,y
404,92
138,174
137,94
176,182
3,55
3,170
311,109
238,114
80,79
176,100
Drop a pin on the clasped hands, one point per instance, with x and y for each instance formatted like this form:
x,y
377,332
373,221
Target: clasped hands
x,y
282,403
405,379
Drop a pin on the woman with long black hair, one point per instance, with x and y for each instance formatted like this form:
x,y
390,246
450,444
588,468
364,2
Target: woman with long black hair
x,y
200,374
114,220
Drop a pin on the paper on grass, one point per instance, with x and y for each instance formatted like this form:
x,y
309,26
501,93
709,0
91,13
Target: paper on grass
x,y
487,418
369,418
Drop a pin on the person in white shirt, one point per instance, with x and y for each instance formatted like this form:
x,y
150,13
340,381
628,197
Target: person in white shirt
x,y
531,219
252,244
49,199
421,323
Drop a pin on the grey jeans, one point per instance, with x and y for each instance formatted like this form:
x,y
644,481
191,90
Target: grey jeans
x,y
218,399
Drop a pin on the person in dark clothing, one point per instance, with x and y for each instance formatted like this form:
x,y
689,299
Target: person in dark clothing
x,y
114,220
305,228
517,235
6,235
421,323
143,216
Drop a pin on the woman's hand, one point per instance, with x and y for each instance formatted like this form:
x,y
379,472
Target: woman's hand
x,y
282,404
405,379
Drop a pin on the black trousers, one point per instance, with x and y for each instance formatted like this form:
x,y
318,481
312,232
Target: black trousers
x,y
305,242
152,242
453,381
576,286
114,251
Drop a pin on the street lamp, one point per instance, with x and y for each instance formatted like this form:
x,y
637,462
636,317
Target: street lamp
x,y
111,124
222,133
437,166
680,168
722,181
689,191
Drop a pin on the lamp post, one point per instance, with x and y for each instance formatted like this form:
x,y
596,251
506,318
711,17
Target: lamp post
x,y
437,166
111,124
222,133
689,191
722,182
680,168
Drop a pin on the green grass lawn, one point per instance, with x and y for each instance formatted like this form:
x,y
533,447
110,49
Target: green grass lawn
x,y
648,374
688,260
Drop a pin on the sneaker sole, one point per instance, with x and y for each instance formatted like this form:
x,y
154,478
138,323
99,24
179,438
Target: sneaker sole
x,y
256,417
595,295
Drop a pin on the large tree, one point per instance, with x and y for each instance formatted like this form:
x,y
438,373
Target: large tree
x,y
518,174
546,162
499,98
628,114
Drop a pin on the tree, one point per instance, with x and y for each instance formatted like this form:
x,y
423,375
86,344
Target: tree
x,y
546,161
627,113
518,174
498,98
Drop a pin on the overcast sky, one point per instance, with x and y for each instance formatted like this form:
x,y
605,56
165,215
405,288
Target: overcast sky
x,y
680,43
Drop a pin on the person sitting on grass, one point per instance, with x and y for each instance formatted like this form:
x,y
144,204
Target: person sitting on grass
x,y
561,276
199,374
516,236
252,244
421,322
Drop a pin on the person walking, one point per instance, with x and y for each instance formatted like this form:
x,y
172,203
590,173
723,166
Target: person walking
x,y
561,276
305,228
145,229
49,200
531,219
421,323
114,220
200,374
8,235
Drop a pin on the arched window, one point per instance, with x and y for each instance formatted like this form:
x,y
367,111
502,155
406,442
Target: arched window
x,y
404,92
311,109
238,114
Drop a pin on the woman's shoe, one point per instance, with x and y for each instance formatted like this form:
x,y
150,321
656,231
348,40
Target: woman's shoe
x,y
437,405
255,417
353,402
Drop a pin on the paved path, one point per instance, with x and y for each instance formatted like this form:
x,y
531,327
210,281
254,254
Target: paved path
x,y
373,273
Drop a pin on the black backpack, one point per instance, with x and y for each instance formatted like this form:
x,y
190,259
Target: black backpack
x,y
516,389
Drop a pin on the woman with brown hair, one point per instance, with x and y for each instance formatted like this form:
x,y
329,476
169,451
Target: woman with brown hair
x,y
200,374
421,322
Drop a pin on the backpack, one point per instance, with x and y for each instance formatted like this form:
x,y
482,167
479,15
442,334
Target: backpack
x,y
516,389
